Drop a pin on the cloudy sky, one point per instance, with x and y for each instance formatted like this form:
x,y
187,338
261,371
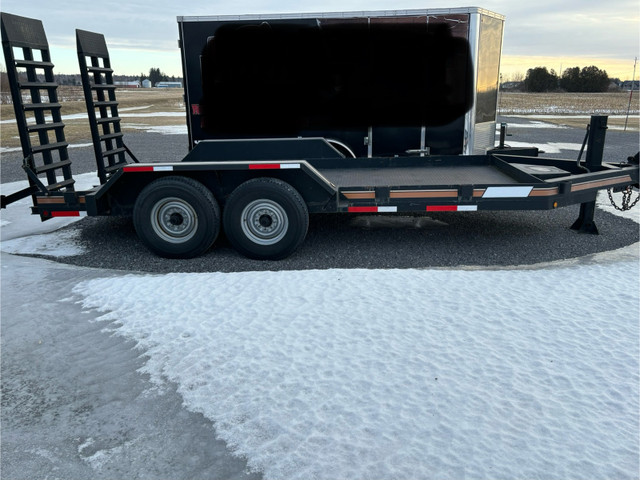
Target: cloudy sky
x,y
143,34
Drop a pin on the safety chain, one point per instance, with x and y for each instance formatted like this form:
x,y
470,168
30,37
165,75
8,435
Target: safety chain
x,y
626,199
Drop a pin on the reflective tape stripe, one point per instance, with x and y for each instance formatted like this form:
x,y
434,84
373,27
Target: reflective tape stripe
x,y
507,192
452,208
372,209
73,213
273,166
147,168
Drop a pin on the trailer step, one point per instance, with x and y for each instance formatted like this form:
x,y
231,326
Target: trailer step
x,y
53,166
107,120
33,63
38,85
115,167
44,126
110,136
93,69
25,47
106,103
48,147
103,87
115,151
27,107
102,106
60,185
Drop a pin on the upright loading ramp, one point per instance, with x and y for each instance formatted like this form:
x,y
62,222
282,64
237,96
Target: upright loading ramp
x,y
37,109
102,106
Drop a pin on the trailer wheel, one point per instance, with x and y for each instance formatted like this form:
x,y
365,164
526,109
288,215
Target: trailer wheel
x,y
177,217
266,219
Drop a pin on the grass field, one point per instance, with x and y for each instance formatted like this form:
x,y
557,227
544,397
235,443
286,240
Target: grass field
x,y
141,108
138,108
571,108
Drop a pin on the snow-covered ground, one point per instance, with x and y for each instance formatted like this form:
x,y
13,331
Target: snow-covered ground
x,y
517,373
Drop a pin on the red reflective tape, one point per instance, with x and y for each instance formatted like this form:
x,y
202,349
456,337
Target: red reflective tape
x,y
263,166
442,208
137,169
65,214
363,209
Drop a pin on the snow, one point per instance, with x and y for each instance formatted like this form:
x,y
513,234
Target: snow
x,y
398,373
19,149
22,233
523,372
549,147
162,129
532,124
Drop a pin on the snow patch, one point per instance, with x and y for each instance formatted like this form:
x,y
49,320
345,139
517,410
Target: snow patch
x,y
16,221
19,149
532,125
398,373
162,129
551,147
63,243
153,114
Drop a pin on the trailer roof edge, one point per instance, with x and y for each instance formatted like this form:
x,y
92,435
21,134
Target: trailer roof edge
x,y
352,14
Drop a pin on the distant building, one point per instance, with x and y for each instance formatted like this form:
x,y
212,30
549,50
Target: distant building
x,y
146,83
134,84
630,85
511,86
169,85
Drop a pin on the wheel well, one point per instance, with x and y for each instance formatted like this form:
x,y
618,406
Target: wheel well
x,y
122,196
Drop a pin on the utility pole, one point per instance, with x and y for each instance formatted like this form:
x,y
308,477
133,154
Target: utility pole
x,y
633,81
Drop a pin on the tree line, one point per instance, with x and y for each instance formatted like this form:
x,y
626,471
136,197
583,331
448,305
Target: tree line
x,y
587,79
155,76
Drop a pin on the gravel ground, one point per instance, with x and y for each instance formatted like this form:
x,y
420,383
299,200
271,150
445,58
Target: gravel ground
x,y
375,241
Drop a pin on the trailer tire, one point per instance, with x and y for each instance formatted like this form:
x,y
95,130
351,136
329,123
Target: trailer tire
x,y
266,219
177,217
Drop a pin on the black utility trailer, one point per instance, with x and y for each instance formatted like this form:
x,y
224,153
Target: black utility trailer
x,y
383,112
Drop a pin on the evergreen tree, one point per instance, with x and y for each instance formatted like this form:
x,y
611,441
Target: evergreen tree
x,y
155,76
593,79
589,79
570,80
539,79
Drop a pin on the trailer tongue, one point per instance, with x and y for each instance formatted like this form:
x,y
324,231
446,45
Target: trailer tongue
x,y
259,172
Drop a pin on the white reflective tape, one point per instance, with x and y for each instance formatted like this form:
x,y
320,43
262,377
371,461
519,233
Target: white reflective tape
x,y
289,165
507,192
387,209
467,208
164,168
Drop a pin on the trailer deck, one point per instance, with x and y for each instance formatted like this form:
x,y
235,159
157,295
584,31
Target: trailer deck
x,y
417,177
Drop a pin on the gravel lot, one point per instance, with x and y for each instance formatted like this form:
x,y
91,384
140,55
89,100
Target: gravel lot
x,y
375,241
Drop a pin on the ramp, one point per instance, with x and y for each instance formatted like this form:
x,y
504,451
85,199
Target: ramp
x,y
102,106
35,100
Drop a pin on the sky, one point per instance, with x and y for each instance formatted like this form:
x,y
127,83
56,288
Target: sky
x,y
143,34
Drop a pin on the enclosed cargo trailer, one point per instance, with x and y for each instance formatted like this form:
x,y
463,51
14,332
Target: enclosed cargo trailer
x,y
379,83
269,146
